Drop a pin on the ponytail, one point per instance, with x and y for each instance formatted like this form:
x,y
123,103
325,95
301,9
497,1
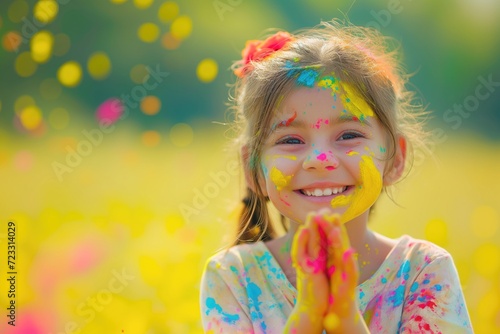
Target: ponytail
x,y
255,222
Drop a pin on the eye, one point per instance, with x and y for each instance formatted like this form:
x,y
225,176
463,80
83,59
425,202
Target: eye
x,y
350,135
290,141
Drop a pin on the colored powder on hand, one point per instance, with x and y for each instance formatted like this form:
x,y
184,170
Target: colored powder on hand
x,y
331,321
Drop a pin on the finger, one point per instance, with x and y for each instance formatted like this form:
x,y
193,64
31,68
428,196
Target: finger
x,y
327,227
351,269
314,240
300,241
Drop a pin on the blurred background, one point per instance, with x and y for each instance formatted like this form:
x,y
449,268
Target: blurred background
x,y
114,221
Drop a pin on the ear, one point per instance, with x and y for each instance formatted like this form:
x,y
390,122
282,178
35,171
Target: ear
x,y
245,156
398,162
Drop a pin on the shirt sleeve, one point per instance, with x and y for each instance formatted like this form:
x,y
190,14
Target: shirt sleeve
x,y
435,303
221,311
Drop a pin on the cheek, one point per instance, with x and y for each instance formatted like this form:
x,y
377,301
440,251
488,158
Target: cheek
x,y
365,194
278,172
279,179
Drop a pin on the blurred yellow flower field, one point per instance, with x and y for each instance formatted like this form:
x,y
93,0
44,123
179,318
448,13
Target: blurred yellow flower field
x,y
118,245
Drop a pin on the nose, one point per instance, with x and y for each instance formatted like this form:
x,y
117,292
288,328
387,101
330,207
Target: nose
x,y
321,160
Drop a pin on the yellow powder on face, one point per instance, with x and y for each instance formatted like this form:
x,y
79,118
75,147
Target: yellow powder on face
x,y
351,153
354,103
329,81
279,179
291,157
362,198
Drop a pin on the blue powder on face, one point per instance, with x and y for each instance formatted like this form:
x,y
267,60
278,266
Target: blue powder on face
x,y
307,77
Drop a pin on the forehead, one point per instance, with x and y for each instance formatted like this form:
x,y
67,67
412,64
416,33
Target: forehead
x,y
326,94
309,103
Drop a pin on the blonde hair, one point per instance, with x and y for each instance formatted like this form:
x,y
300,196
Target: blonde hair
x,y
357,55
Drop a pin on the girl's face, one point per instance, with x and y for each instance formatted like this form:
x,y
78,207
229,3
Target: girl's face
x,y
326,149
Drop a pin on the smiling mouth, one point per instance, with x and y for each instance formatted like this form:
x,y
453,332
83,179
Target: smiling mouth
x,y
323,192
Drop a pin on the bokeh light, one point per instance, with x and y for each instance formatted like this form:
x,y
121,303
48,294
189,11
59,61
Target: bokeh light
x,y
31,117
139,74
62,44
169,42
23,160
181,27
25,66
143,4
168,11
45,11
487,259
59,118
110,111
148,32
485,221
11,41
207,69
181,135
17,10
22,102
41,46
150,105
70,74
150,138
50,89
99,65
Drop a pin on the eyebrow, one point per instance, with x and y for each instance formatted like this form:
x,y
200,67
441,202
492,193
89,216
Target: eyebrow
x,y
291,122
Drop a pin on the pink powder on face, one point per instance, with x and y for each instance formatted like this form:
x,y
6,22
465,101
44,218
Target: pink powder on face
x,y
318,123
321,157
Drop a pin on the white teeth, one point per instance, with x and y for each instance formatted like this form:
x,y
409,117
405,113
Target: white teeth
x,y
324,192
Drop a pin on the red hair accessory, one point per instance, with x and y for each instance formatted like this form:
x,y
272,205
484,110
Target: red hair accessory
x,y
256,50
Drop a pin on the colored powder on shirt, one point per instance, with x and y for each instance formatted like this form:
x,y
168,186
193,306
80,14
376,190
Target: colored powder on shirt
x,y
226,317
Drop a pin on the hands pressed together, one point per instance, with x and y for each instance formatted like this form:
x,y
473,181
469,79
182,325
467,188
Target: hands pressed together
x,y
327,277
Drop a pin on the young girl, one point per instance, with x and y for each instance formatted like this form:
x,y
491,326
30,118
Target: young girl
x,y
326,125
